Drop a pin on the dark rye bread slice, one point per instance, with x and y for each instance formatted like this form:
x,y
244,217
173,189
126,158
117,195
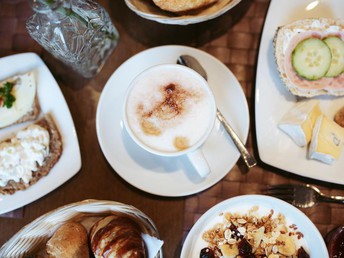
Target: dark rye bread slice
x,y
55,151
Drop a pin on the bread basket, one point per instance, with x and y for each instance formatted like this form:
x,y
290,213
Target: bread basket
x,y
31,238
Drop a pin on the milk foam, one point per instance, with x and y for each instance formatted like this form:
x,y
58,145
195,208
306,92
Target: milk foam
x,y
182,113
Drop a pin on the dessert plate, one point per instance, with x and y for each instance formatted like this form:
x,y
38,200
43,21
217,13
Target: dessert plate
x,y
168,176
148,10
313,242
51,101
272,99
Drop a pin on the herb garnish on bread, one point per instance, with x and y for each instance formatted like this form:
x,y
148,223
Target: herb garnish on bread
x,y
29,155
18,99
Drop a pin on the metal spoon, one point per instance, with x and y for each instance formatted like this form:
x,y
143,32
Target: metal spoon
x,y
192,63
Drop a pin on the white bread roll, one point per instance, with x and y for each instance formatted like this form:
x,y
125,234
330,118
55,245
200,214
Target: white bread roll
x,y
286,39
69,240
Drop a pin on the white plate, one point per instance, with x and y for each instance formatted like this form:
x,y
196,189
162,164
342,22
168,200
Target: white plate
x,y
241,204
148,10
170,176
51,100
273,99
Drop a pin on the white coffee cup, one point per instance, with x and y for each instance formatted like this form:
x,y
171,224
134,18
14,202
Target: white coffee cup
x,y
169,110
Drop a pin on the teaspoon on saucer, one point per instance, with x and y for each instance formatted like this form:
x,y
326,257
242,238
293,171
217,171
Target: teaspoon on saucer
x,y
192,63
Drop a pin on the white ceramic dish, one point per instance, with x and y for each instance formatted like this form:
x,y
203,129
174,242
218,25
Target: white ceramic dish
x,y
148,10
33,236
51,100
312,237
273,100
170,176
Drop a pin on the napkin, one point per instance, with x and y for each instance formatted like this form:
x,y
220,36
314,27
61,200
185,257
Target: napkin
x,y
153,244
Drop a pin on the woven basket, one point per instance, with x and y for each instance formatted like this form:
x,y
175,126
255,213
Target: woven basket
x,y
32,238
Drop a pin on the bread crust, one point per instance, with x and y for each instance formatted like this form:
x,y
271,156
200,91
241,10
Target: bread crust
x,y
182,5
69,240
55,151
284,37
339,117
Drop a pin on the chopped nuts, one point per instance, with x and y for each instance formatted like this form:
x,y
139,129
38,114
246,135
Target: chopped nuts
x,y
269,236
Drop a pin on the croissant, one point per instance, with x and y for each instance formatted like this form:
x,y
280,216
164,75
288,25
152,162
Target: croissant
x,y
117,236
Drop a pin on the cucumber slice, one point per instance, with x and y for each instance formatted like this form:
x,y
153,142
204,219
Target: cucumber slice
x,y
311,58
336,46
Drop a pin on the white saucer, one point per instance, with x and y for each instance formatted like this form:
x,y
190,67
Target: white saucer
x,y
170,176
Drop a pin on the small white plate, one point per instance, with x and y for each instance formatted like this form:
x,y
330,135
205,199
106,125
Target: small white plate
x,y
170,176
194,243
148,10
51,101
273,99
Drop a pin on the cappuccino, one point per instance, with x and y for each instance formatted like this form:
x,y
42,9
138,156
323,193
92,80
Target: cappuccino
x,y
169,109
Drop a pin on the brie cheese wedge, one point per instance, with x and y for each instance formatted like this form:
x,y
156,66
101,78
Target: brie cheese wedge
x,y
24,91
327,140
299,121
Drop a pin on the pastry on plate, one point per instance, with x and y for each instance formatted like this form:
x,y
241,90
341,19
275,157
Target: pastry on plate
x,y
29,155
182,5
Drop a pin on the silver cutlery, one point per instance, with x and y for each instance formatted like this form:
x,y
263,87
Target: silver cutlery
x,y
192,63
302,196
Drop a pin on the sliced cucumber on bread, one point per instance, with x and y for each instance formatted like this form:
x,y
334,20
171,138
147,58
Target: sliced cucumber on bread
x,y
312,58
336,46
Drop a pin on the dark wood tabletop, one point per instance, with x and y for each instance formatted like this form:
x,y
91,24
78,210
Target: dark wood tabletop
x,y
234,39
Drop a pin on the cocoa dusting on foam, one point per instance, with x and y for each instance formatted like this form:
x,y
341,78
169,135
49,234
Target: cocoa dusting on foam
x,y
172,105
181,143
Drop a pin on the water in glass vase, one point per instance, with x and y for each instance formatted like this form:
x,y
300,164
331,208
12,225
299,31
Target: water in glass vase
x,y
77,32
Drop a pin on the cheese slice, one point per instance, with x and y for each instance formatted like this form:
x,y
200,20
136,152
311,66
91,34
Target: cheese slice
x,y
299,121
327,140
24,91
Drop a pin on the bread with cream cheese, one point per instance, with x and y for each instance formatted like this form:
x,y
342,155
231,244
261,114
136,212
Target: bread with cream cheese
x,y
287,37
55,151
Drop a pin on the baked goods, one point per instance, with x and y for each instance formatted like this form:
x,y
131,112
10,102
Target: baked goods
x,y
117,236
18,99
29,155
69,240
310,56
339,117
182,5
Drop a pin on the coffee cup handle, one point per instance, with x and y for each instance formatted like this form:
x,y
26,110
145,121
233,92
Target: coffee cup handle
x,y
199,162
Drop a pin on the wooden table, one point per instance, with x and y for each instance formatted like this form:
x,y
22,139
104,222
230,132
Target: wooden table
x,y
234,39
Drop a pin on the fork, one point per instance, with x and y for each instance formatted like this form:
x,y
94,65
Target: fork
x,y
302,196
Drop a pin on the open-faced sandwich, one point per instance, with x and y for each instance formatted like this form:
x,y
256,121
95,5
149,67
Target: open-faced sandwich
x,y
310,56
18,99
29,155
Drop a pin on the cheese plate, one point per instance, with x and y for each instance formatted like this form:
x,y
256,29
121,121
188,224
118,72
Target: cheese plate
x,y
273,100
